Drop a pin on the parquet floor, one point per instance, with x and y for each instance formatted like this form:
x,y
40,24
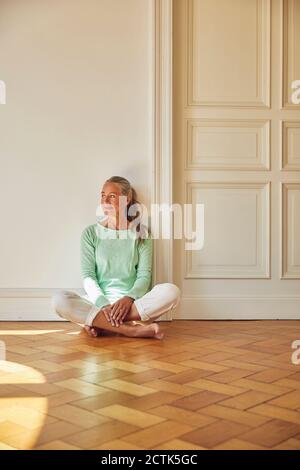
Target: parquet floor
x,y
207,385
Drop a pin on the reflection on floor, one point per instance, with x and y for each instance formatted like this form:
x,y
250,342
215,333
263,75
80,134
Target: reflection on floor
x,y
221,385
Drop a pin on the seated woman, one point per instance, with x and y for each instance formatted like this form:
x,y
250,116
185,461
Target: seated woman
x,y
116,263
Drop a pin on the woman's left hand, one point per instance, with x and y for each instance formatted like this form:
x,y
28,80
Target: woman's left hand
x,y
120,309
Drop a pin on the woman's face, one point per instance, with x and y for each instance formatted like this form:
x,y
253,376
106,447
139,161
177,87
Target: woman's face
x,y
110,195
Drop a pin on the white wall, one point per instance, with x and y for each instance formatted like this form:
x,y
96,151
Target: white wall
x,y
78,75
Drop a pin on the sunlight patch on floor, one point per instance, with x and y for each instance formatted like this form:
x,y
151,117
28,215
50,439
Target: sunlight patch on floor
x,y
21,415
28,332
14,373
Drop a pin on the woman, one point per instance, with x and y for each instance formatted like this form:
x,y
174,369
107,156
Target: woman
x,y
116,263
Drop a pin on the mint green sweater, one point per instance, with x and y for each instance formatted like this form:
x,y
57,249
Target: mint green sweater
x,y
112,266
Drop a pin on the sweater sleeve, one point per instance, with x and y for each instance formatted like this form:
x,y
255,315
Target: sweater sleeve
x,y
144,270
88,269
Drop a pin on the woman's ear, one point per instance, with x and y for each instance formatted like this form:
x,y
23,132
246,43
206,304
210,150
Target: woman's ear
x,y
129,198
128,202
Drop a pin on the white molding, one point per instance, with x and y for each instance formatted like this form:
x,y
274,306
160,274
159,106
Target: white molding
x,y
287,163
259,127
263,38
261,270
287,271
36,293
29,304
162,135
239,307
287,13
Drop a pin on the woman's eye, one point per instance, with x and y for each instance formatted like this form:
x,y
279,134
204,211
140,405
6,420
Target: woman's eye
x,y
111,196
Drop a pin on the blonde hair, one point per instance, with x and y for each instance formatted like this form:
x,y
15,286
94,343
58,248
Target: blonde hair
x,y
128,190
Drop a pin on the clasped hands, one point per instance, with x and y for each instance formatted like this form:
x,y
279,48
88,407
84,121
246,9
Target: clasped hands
x,y
117,312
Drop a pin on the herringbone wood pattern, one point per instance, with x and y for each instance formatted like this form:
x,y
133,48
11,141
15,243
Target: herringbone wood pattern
x,y
206,385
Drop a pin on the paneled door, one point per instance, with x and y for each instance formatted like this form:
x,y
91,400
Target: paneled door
x,y
236,150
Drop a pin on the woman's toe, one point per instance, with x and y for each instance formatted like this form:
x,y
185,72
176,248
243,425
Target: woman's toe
x,y
158,333
91,331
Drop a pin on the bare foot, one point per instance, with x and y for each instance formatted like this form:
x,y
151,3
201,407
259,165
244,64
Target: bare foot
x,y
92,331
158,334
149,331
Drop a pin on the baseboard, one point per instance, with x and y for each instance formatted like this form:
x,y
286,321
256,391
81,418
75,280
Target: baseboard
x,y
34,305
29,304
242,307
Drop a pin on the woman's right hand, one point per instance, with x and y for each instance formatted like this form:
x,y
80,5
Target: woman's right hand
x,y
106,310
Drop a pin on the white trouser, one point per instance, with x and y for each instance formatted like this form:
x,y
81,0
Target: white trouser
x,y
162,298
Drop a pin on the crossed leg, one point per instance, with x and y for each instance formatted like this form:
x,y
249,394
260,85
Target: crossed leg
x,y
132,316
129,329
163,297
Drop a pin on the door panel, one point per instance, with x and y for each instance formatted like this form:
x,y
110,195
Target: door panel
x,y
237,151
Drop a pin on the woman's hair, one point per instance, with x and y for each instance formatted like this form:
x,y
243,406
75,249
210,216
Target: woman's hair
x,y
127,190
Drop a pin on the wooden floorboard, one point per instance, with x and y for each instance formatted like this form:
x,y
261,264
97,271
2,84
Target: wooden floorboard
x,y
206,385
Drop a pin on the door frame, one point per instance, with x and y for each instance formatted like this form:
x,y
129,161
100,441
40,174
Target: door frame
x,y
162,155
